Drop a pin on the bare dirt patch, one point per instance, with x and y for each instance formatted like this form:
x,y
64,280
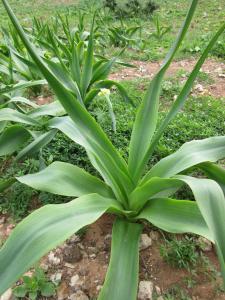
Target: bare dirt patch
x,y
215,69
81,264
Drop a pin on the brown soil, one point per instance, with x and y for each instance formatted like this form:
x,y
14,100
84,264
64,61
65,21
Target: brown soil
x,y
215,69
94,245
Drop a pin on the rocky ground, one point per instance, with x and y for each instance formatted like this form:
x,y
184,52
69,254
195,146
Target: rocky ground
x,y
215,69
78,267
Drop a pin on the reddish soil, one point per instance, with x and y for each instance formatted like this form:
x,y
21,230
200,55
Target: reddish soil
x,y
92,261
215,69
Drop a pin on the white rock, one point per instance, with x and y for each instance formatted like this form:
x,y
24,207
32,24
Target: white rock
x,y
79,295
145,241
53,259
2,220
199,88
145,290
154,235
7,295
158,290
70,266
204,244
74,280
56,278
99,287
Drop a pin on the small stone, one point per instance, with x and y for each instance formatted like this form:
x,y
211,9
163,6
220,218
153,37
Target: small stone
x,y
74,280
9,228
74,239
199,88
99,287
70,266
53,259
221,75
7,295
93,256
79,295
44,267
204,244
56,278
81,246
2,220
72,254
145,242
62,291
158,290
154,235
145,290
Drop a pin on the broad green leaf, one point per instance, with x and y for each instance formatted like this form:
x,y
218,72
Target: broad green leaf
x,y
8,114
21,86
182,97
70,129
153,188
36,145
53,109
22,100
211,203
122,276
12,139
45,229
176,216
102,149
214,172
190,154
103,70
75,181
20,291
2,125
147,115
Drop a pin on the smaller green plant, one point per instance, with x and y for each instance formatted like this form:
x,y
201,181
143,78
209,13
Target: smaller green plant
x,y
160,30
34,286
176,293
131,8
180,253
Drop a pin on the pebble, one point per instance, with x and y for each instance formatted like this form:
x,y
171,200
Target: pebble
x,y
145,242
62,291
145,290
7,295
204,244
53,259
70,266
79,295
154,235
2,220
198,87
56,278
158,290
74,280
72,254
99,287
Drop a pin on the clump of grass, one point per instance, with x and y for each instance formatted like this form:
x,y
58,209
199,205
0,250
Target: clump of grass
x,y
180,253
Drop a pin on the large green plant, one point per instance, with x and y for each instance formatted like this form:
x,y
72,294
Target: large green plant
x,y
124,192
